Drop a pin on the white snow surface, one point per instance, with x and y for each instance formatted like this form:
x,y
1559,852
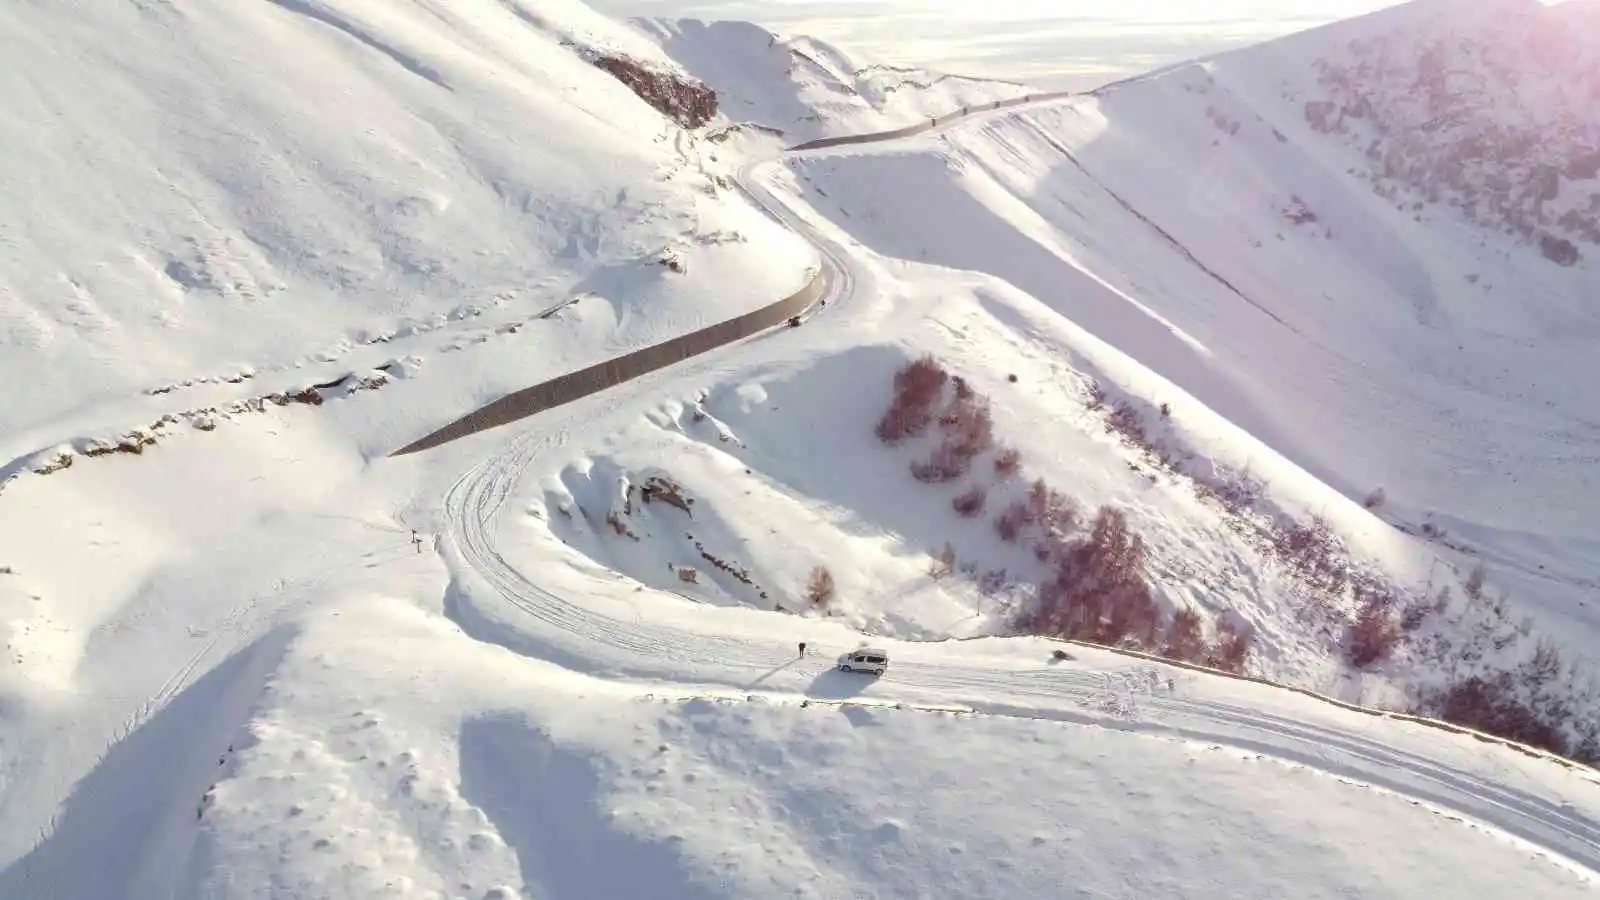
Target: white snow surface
x,y
231,672
806,88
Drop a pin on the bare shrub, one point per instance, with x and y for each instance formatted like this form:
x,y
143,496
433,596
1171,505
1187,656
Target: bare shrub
x,y
943,563
945,464
901,422
1313,552
1375,633
921,381
1051,509
992,581
1126,421
968,424
1096,396
1013,520
1231,650
1376,499
917,387
1545,666
1415,613
1007,462
1493,705
1184,638
1238,491
1098,592
820,587
970,503
1473,586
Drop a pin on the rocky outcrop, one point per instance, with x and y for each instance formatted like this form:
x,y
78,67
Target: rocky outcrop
x,y
678,97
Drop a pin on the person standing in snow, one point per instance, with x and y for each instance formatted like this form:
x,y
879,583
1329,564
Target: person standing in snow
x,y
802,648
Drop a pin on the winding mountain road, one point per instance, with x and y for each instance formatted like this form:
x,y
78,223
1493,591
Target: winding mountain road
x,y
723,652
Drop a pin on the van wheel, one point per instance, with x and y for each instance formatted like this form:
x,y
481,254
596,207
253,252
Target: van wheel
x,y
844,667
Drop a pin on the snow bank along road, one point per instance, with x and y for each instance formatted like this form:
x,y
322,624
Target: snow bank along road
x,y
830,281
732,652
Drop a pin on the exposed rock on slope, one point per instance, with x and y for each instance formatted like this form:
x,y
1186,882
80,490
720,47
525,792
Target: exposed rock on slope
x,y
685,101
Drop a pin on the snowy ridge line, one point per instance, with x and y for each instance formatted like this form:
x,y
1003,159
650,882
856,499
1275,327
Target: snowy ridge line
x,y
564,389
931,124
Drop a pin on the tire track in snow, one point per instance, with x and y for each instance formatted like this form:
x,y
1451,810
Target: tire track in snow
x,y
558,628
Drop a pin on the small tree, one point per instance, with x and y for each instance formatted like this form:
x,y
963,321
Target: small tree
x,y
820,587
1473,586
1231,650
918,385
1184,639
1011,522
1007,462
944,562
970,503
945,464
1375,633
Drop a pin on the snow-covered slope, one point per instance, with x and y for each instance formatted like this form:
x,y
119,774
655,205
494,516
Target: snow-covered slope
x,y
804,88
201,189
1198,223
248,655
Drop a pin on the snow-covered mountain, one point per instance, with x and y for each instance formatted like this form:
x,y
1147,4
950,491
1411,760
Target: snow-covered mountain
x,y
803,88
1178,367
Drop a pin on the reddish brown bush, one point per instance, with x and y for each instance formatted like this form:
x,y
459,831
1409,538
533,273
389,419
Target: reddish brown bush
x,y
968,425
970,503
918,386
1007,462
992,582
1011,522
1237,491
1415,613
1184,639
945,464
1314,553
1098,592
1051,509
921,381
901,422
1231,650
820,586
1375,633
1493,705
1126,421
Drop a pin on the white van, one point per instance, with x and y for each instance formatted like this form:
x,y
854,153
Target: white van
x,y
865,659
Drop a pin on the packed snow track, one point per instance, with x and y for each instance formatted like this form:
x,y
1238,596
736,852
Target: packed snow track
x,y
728,653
